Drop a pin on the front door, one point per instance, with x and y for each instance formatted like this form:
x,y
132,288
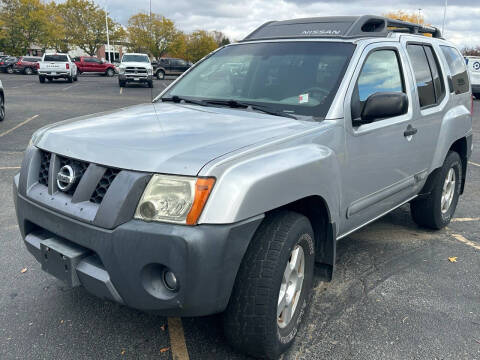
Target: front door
x,y
379,171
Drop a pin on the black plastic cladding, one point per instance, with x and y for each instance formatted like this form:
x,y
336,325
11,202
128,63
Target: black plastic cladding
x,y
338,27
44,168
103,185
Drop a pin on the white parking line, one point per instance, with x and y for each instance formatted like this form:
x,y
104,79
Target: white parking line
x,y
177,339
121,90
21,124
465,219
471,162
466,241
10,168
69,87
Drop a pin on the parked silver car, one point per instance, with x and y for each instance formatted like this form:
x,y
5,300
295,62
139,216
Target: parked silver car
x,y
222,194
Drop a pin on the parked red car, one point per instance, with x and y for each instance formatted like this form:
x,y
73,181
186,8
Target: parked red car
x,y
90,64
27,65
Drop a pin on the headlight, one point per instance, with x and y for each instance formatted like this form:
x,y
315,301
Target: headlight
x,y
150,71
121,70
175,199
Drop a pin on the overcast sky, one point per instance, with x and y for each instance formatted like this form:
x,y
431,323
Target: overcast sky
x,y
237,19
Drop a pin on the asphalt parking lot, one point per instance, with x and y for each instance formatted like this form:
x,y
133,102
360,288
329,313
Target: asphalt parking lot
x,y
395,294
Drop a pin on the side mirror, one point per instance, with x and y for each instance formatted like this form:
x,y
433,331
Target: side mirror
x,y
383,105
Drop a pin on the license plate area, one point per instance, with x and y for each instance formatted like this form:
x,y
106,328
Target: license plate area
x,y
136,79
60,259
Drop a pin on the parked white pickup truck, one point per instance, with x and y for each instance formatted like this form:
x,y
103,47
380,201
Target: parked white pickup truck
x,y
56,66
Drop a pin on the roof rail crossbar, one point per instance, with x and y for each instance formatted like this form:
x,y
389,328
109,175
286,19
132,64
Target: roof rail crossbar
x,y
345,27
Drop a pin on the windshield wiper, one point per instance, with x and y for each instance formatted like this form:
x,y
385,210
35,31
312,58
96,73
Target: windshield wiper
x,y
241,104
177,99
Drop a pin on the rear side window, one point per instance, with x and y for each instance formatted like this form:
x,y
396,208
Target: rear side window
x,y
429,80
380,73
458,70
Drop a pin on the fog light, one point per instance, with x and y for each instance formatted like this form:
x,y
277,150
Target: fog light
x,y
170,280
148,210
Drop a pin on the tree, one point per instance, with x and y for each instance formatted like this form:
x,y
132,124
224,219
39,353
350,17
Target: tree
x,y
55,35
178,48
154,34
199,44
22,23
471,51
85,23
220,38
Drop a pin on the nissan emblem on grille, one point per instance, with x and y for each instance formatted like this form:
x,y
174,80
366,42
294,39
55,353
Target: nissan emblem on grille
x,y
66,178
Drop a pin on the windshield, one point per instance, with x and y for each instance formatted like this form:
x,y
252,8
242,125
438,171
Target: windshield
x,y
135,58
61,58
299,78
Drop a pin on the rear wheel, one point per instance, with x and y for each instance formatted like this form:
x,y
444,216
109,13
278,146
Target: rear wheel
x,y
436,210
2,108
75,78
477,96
28,71
273,286
41,79
10,70
70,79
110,72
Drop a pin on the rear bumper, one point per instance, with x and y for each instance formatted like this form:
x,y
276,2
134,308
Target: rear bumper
x,y
126,264
57,75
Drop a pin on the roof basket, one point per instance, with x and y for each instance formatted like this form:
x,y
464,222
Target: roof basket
x,y
338,27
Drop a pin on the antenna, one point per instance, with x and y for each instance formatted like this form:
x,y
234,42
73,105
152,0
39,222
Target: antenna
x,y
108,37
444,16
151,43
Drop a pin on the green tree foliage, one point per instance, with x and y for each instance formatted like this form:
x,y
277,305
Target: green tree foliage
x,y
199,44
22,23
85,25
154,34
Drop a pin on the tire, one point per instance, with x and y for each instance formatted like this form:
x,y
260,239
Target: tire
x,y
41,79
477,96
70,79
160,74
109,72
10,70
437,209
75,78
251,322
28,71
121,83
2,108
150,84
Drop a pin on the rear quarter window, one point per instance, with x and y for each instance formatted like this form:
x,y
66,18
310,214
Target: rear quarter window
x,y
458,69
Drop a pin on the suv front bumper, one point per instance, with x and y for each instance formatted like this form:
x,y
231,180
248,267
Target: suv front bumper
x,y
135,77
126,264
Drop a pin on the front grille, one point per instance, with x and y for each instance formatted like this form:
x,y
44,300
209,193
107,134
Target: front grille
x,y
80,168
135,70
103,185
44,167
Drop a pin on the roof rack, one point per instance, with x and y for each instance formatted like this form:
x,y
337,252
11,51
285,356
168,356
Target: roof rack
x,y
338,27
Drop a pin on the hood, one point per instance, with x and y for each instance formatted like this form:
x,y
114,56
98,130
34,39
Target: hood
x,y
163,137
136,64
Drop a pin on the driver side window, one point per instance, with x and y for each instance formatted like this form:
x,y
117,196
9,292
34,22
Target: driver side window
x,y
380,73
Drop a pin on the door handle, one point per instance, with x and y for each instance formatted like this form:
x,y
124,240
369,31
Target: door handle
x,y
410,131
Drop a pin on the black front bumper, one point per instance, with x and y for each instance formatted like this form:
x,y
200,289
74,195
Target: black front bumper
x,y
126,263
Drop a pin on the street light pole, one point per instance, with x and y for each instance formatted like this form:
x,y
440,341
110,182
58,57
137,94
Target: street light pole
x,y
108,37
444,16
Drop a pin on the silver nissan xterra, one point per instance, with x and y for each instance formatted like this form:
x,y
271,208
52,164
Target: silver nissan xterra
x,y
225,192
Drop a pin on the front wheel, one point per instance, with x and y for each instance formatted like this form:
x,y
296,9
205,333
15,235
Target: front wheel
x,y
28,71
160,75
150,84
110,73
272,288
437,209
